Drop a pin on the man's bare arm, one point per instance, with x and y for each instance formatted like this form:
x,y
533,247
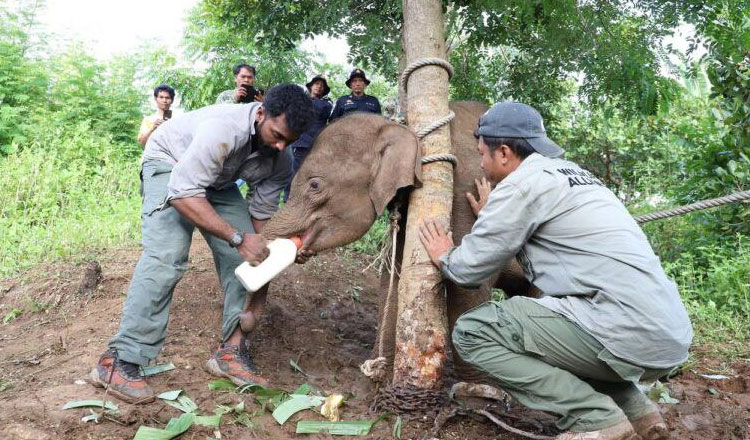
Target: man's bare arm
x,y
200,212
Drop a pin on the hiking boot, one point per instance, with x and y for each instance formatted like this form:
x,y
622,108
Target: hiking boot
x,y
620,431
236,364
651,426
121,378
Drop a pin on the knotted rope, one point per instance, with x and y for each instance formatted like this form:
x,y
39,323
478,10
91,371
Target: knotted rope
x,y
423,132
375,369
403,80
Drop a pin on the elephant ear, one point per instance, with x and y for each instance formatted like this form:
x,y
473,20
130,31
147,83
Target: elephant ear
x,y
397,164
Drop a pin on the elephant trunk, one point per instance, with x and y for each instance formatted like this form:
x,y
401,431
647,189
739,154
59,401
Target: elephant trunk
x,y
292,220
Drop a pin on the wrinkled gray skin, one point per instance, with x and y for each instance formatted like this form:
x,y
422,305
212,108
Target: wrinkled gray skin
x,y
356,167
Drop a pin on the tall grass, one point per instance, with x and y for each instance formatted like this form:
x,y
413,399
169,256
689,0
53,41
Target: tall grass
x,y
71,191
717,294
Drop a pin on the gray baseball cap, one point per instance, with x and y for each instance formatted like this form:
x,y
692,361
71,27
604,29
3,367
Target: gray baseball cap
x,y
516,120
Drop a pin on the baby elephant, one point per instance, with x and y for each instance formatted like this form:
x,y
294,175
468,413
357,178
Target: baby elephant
x,y
360,164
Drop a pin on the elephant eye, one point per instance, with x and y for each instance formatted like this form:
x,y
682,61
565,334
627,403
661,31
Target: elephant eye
x,y
314,184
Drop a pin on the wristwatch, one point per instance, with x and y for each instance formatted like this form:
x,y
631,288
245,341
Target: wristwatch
x,y
236,239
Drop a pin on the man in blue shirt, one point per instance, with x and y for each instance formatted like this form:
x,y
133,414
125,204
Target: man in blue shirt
x,y
318,88
357,101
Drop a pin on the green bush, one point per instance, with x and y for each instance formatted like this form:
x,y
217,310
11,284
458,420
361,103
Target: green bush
x,y
714,282
71,191
371,242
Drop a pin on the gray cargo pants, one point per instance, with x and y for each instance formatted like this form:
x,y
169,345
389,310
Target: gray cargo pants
x,y
549,363
166,238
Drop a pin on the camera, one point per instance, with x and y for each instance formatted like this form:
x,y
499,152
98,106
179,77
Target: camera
x,y
252,92
167,114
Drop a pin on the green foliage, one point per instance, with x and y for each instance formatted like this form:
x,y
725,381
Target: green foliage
x,y
71,189
716,295
526,48
724,28
215,42
68,156
40,90
677,156
13,314
23,80
371,242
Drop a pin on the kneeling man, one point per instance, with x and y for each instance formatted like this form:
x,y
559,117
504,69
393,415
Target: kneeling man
x,y
607,316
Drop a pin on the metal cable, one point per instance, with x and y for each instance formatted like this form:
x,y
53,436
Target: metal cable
x,y
697,206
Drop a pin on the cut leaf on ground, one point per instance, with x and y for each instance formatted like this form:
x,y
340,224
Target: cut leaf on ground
x,y
295,403
175,427
222,384
156,369
170,395
351,427
85,403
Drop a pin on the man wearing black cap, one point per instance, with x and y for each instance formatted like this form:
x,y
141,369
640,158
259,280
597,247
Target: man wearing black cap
x,y
318,88
357,101
607,317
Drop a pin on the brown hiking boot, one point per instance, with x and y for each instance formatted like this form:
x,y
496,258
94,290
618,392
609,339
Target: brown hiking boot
x,y
121,378
651,426
620,431
235,363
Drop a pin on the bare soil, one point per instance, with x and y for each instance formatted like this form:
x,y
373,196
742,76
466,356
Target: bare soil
x,y
321,315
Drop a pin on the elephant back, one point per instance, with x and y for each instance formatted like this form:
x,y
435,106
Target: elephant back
x,y
465,149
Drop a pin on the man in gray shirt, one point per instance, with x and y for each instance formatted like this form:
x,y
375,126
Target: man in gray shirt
x,y
607,316
188,174
244,79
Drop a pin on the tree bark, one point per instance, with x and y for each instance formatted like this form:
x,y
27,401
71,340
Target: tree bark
x,y
421,328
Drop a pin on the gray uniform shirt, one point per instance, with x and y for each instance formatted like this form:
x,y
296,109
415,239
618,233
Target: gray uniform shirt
x,y
226,97
578,244
211,148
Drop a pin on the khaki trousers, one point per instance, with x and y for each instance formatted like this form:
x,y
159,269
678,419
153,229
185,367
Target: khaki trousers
x,y
548,363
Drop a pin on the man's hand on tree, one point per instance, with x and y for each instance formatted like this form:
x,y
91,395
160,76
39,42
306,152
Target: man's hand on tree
x,y
253,249
435,240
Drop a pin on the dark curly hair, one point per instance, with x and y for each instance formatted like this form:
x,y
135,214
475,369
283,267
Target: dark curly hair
x,y
163,88
292,101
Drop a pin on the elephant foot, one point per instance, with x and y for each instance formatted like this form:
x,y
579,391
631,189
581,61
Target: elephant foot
x,y
475,395
248,322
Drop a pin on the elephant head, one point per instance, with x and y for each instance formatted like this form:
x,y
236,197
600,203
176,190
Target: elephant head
x,y
355,168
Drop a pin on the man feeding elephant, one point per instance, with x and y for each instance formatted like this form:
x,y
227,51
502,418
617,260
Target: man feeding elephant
x,y
189,168
607,316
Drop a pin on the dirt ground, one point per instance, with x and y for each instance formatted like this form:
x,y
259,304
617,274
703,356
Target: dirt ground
x,y
321,315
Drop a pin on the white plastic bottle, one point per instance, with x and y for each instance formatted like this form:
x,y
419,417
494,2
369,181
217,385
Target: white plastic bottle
x,y
283,251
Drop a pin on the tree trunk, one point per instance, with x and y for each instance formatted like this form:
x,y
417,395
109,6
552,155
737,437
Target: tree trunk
x,y
421,329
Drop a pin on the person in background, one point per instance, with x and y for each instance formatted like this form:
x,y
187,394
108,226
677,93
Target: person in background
x,y
244,79
357,101
318,88
163,96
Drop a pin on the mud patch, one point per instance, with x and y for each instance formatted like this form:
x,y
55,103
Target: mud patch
x,y
321,316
